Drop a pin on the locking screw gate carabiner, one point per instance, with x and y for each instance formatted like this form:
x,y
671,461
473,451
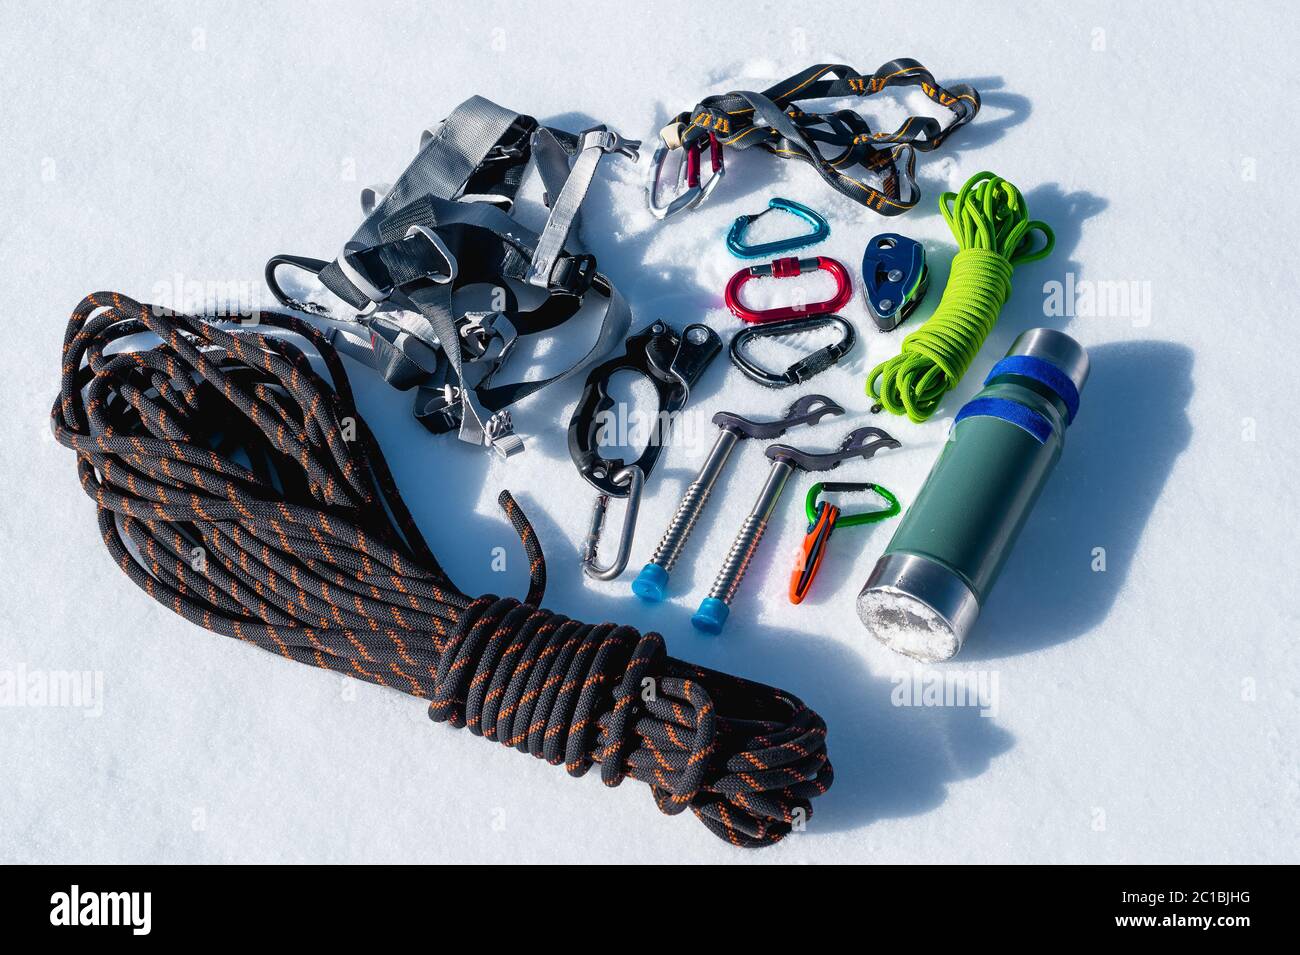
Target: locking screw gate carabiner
x,y
861,443
808,366
651,584
788,268
820,230
673,364
823,518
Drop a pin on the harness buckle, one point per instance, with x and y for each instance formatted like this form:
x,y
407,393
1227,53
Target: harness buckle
x,y
694,193
573,274
788,268
482,330
611,142
499,435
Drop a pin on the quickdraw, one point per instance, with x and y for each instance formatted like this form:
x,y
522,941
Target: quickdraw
x,y
772,121
895,277
803,369
763,250
788,268
671,363
445,225
823,518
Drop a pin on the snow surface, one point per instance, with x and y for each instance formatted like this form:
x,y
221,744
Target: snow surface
x,y
1141,714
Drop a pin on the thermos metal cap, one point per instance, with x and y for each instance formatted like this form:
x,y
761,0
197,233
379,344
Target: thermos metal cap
x,y
1056,348
917,607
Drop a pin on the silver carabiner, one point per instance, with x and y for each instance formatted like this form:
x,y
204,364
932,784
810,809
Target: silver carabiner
x,y
635,479
689,173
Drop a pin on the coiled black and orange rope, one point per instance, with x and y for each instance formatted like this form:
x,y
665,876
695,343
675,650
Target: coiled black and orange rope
x,y
241,488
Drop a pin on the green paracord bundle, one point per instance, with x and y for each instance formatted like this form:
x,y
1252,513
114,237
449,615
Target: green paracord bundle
x,y
994,234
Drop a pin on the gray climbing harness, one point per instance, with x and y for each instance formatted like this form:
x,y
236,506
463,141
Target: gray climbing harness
x,y
445,225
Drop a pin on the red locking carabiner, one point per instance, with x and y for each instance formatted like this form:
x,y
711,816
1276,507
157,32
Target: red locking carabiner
x,y
787,268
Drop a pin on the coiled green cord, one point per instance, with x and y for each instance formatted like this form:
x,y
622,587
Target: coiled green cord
x,y
994,234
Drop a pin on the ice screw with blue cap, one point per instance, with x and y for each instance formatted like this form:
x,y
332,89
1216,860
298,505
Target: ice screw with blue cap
x,y
652,583
861,443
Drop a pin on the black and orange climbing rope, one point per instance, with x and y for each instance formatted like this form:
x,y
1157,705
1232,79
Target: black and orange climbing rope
x,y
239,486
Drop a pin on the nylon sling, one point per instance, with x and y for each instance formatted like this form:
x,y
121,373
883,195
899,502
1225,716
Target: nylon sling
x,y
774,122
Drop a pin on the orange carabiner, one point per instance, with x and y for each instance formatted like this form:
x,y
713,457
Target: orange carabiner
x,y
814,549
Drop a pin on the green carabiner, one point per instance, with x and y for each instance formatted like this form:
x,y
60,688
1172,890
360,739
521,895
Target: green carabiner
x,y
851,520
823,518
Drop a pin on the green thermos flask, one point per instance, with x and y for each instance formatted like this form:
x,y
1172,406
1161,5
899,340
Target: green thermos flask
x,y
926,590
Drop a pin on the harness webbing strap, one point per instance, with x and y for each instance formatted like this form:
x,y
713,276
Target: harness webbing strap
x,y
772,121
448,158
594,145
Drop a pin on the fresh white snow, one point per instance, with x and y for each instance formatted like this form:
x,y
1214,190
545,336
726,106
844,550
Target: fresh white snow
x,y
1140,648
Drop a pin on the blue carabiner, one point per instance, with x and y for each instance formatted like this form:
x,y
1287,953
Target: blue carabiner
x,y
821,229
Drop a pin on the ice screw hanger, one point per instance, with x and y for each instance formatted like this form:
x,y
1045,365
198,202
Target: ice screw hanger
x,y
736,245
651,583
823,518
861,443
896,278
788,268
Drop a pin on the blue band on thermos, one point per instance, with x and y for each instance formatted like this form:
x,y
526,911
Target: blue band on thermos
x,y
1043,372
1013,411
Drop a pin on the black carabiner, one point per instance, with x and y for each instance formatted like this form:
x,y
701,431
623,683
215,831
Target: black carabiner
x,y
804,368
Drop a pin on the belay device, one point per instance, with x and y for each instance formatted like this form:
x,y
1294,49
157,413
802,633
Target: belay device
x,y
895,277
446,224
